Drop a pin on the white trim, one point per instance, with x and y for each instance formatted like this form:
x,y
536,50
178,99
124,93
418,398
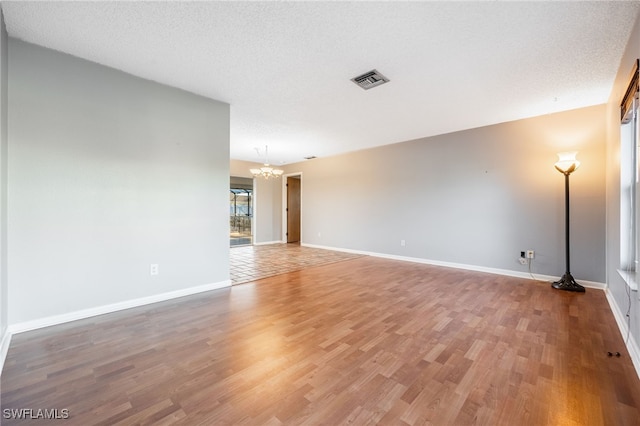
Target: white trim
x,y
507,272
4,348
632,345
264,243
254,204
284,204
114,307
630,278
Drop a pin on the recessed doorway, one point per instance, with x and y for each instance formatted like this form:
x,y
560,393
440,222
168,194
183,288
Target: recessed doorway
x,y
293,208
241,211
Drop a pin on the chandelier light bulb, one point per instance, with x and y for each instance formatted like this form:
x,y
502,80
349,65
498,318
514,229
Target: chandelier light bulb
x,y
266,171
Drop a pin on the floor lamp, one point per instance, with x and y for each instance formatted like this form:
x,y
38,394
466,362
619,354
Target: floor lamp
x,y
566,165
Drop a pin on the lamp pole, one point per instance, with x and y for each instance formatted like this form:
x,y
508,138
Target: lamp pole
x,y
566,167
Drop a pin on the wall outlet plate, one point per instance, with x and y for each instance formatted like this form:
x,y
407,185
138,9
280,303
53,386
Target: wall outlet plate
x,y
523,261
530,254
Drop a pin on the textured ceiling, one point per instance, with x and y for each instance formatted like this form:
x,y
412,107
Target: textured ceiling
x,y
285,67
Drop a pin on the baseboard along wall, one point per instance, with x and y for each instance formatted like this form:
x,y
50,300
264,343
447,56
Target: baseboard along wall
x,y
507,272
623,326
114,307
4,348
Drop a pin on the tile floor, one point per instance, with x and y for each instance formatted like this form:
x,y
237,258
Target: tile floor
x,y
250,263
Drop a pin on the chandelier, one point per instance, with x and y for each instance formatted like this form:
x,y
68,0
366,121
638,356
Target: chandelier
x,y
266,171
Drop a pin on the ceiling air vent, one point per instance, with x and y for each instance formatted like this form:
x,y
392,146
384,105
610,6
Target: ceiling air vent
x,y
370,79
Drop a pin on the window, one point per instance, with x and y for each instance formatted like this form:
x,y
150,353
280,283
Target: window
x,y
629,182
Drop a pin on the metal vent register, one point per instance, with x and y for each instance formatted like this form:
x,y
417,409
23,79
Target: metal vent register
x,y
370,79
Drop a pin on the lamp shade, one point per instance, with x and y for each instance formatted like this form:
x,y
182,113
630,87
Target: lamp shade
x,y
567,162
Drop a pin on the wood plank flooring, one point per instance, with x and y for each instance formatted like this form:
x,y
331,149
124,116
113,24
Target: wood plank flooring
x,y
364,341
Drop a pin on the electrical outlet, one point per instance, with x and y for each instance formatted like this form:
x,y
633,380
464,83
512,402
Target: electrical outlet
x,y
530,254
523,260
153,269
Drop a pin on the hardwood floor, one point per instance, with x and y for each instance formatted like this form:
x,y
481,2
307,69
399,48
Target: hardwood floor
x,y
364,341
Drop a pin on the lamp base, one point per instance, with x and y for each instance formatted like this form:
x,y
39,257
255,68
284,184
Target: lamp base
x,y
567,283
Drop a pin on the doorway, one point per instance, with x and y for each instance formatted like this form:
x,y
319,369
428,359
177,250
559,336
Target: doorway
x,y
240,211
293,208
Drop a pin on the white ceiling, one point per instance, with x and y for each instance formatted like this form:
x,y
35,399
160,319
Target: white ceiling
x,y
285,67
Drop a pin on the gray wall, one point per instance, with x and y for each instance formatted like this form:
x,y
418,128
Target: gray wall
x,y
475,197
617,286
267,199
109,173
4,289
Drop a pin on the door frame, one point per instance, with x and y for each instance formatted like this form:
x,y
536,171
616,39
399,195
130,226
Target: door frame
x,y
254,204
284,204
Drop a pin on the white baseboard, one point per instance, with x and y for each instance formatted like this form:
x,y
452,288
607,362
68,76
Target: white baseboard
x,y
4,348
632,345
101,310
264,243
507,272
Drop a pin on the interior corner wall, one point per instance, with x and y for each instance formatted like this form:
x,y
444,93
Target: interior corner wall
x,y
108,174
625,300
267,203
477,197
4,320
